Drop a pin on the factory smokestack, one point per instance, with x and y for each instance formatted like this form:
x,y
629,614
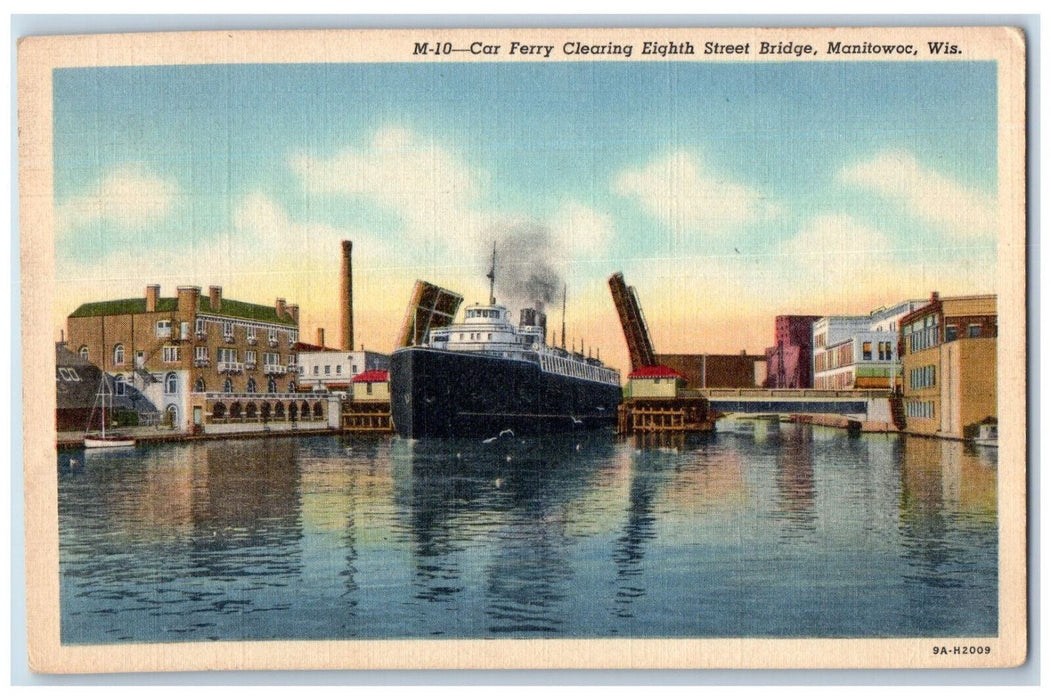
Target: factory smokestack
x,y
346,299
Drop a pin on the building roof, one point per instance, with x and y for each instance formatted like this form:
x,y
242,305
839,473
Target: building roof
x,y
372,375
310,347
230,308
655,372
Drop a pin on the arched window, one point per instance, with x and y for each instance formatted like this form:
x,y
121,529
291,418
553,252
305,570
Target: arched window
x,y
292,387
172,415
171,383
83,352
118,354
318,410
271,385
118,385
219,410
198,386
251,386
228,386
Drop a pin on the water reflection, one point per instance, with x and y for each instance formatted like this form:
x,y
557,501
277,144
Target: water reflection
x,y
760,529
795,479
513,493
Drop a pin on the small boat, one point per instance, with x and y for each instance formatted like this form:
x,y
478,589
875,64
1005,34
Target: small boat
x,y
987,435
101,439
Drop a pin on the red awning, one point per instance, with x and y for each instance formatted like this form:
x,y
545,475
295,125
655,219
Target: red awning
x,y
655,372
373,375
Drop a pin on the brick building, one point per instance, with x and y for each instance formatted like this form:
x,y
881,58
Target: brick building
x,y
789,363
171,347
742,371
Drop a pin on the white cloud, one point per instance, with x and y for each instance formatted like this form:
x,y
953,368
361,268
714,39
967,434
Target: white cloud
x,y
128,197
679,191
926,193
431,188
835,237
582,230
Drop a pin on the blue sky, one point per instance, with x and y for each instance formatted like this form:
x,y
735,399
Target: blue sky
x,y
818,187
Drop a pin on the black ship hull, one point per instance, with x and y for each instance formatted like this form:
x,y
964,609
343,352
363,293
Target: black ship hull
x,y
436,393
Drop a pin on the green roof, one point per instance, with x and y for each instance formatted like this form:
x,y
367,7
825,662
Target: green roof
x,y
230,308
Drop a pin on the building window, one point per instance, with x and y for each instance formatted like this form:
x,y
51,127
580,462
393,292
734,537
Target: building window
x,y
866,350
293,337
171,353
228,386
200,353
171,383
315,370
292,387
83,352
271,385
199,326
951,333
118,354
227,354
328,370
250,357
251,386
251,334
368,387
974,331
272,336
164,328
118,385
339,370
199,385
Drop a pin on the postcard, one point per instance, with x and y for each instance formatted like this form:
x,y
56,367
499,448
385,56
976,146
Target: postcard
x,y
524,348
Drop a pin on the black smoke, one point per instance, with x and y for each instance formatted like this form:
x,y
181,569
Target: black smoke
x,y
525,271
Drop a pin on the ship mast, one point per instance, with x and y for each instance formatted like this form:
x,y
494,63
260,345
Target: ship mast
x,y
563,315
492,278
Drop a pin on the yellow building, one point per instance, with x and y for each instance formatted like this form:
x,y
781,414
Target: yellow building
x,y
949,366
372,385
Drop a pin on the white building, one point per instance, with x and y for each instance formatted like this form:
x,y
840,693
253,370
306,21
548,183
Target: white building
x,y
329,369
860,352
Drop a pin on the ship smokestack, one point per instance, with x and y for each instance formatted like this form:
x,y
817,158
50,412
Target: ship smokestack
x,y
346,299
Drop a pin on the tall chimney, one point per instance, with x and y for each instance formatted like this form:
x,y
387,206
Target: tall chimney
x,y
321,337
279,308
215,298
152,292
294,310
346,299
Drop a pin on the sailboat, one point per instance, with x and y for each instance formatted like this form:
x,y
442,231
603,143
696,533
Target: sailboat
x,y
101,439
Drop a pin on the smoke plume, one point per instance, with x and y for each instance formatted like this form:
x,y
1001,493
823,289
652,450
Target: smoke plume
x,y
525,273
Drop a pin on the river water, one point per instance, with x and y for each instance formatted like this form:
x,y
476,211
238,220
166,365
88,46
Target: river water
x,y
761,529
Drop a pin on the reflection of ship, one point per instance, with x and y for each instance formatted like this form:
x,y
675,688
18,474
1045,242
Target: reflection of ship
x,y
486,375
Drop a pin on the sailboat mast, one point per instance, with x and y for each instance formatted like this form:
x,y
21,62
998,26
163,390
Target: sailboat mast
x,y
492,278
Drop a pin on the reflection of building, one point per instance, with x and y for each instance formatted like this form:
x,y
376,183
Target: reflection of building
x,y
789,363
329,369
949,365
859,352
741,371
168,347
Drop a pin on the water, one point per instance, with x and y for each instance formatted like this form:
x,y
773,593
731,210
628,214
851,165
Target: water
x,y
759,530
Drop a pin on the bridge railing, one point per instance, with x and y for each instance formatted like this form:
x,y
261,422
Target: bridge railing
x,y
757,393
